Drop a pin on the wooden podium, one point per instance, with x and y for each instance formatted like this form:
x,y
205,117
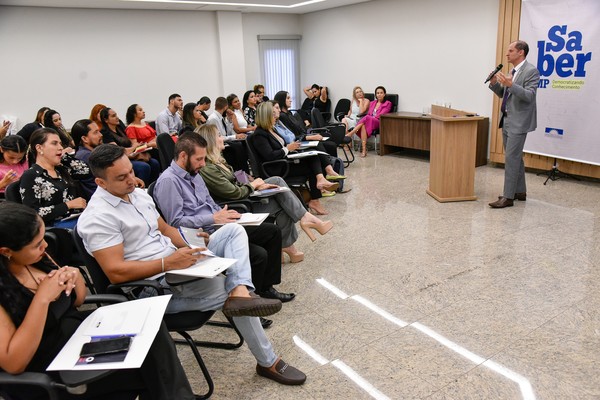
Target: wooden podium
x,y
452,159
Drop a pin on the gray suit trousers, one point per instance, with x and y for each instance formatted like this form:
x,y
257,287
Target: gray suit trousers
x,y
514,167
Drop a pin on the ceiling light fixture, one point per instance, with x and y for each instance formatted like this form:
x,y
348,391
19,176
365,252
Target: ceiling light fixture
x,y
220,3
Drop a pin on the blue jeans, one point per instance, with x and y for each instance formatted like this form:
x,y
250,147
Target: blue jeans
x,y
229,241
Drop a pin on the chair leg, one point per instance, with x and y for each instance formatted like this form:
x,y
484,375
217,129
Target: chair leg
x,y
218,345
348,160
207,377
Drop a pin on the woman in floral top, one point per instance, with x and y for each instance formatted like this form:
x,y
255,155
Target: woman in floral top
x,y
48,186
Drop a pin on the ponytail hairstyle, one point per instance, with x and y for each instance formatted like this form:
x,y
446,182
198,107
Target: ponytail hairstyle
x,y
19,225
39,136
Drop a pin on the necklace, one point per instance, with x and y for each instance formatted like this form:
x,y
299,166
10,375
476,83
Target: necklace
x,y
37,284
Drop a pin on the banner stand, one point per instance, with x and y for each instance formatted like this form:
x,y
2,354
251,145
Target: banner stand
x,y
555,174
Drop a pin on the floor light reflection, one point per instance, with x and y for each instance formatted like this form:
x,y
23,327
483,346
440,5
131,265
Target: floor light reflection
x,y
359,380
524,384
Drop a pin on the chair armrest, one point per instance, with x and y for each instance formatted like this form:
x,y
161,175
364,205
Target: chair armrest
x,y
105,298
31,379
282,164
317,130
117,288
241,206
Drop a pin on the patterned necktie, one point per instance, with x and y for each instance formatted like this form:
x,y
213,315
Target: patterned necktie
x,y
503,106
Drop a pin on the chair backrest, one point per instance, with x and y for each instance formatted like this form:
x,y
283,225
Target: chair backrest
x,y
252,158
99,279
60,245
316,118
166,149
393,98
342,107
12,192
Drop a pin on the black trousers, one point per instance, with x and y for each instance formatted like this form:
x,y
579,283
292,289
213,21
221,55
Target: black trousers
x,y
265,255
161,377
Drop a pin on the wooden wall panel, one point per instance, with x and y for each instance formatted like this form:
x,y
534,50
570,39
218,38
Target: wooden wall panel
x,y
509,19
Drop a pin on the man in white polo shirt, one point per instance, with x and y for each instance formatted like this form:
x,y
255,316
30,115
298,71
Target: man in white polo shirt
x,y
122,229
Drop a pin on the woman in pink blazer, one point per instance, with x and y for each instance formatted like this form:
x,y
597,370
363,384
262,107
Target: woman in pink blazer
x,y
370,122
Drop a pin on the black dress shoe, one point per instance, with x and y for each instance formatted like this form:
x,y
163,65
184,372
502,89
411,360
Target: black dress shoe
x,y
284,373
266,322
502,202
272,293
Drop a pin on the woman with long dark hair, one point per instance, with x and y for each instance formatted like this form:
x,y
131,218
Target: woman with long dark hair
x,y
52,119
192,117
249,103
12,160
138,131
38,316
145,167
48,186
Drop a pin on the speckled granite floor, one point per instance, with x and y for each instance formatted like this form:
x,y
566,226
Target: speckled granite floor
x,y
438,301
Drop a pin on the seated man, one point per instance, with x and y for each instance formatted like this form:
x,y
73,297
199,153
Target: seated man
x,y
184,200
169,121
122,229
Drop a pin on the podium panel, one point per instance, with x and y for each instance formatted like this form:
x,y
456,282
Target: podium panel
x,y
452,159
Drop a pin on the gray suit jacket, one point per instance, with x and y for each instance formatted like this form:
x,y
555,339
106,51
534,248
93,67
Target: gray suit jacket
x,y
521,109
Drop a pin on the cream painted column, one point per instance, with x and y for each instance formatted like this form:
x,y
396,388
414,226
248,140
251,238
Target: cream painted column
x,y
231,47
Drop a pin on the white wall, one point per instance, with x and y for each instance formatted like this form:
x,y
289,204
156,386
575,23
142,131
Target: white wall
x,y
424,50
71,59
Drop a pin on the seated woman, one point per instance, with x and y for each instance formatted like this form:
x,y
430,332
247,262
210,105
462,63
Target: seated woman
x,y
259,91
145,167
138,131
358,106
235,118
192,117
38,316
284,100
285,207
48,186
316,97
12,160
29,128
270,146
249,105
52,119
370,122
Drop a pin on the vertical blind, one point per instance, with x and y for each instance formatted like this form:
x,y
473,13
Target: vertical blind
x,y
280,66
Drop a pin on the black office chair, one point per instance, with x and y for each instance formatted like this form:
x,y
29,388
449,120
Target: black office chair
x,y
281,168
12,193
181,322
393,98
336,131
341,109
166,150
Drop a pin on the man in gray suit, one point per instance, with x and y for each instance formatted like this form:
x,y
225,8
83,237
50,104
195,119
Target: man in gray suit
x,y
519,116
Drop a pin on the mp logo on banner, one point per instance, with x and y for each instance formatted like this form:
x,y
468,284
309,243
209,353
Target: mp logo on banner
x,y
564,38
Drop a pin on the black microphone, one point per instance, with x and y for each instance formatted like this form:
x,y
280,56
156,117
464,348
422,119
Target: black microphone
x,y
494,72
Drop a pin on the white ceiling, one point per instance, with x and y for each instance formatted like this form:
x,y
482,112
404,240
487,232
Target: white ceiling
x,y
268,6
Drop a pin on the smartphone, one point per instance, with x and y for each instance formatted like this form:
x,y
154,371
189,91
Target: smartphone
x,y
105,346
